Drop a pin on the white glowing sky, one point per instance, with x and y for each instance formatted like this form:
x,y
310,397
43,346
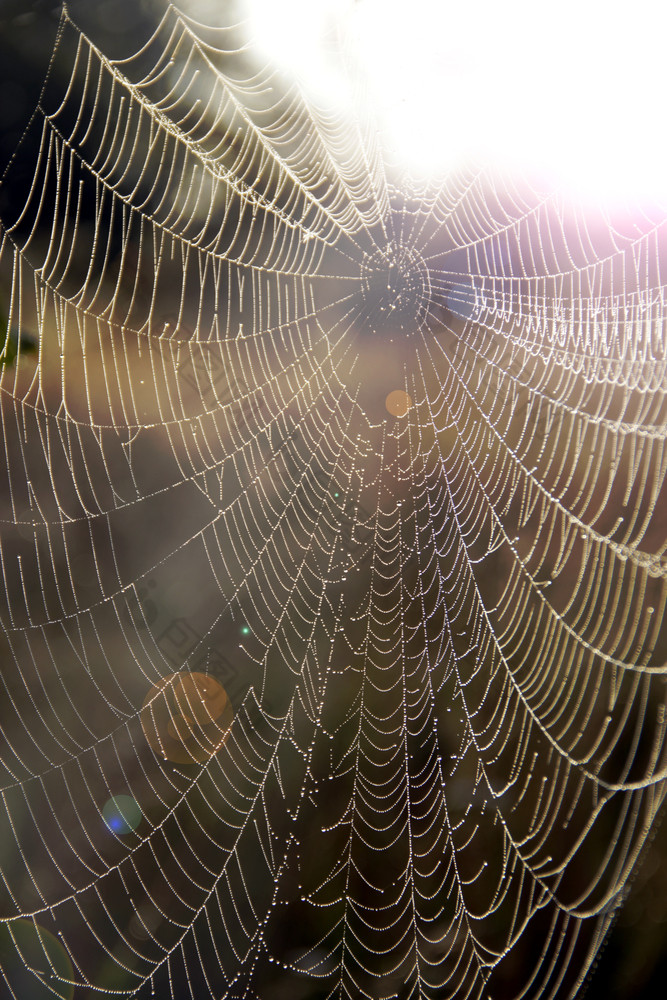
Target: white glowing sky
x,y
573,90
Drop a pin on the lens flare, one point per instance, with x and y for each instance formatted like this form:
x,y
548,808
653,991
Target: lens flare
x,y
398,403
34,963
186,718
122,814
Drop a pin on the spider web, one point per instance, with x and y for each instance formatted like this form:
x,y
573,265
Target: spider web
x,y
332,548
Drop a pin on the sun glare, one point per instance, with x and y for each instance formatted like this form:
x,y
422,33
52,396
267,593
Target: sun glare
x,y
571,92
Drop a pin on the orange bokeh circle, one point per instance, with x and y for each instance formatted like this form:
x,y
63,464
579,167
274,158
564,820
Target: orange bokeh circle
x,y
398,403
186,717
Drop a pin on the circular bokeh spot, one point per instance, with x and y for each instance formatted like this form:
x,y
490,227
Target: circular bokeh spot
x,y
144,923
398,403
122,814
186,717
34,963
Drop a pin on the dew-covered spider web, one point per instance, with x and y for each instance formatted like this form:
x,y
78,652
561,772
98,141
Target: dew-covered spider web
x,y
333,547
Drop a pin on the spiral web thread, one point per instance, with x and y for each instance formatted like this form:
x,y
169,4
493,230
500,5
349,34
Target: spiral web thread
x,y
440,632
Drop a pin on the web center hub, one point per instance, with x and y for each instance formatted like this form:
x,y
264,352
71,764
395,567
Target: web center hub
x,y
395,294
